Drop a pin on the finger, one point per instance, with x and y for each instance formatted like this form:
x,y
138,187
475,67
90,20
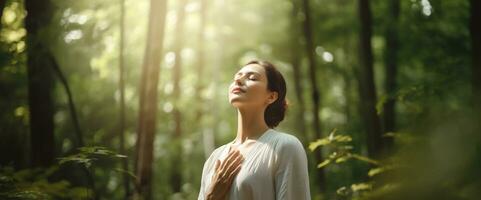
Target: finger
x,y
230,166
234,163
230,178
223,163
229,158
234,173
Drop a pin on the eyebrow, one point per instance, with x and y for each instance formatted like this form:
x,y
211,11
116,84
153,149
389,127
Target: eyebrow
x,y
248,73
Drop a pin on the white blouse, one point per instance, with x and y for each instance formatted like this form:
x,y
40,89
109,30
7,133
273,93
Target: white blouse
x,y
274,167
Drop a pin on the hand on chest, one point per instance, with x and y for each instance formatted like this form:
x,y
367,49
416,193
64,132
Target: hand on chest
x,y
258,168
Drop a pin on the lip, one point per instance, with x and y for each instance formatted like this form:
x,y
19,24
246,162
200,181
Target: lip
x,y
236,90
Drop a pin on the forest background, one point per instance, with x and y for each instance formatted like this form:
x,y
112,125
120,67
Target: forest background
x,y
125,99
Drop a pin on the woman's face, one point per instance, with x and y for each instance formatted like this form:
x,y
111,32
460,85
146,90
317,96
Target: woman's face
x,y
249,88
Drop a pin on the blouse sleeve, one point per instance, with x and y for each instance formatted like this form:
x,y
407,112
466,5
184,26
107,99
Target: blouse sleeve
x,y
208,165
205,172
202,182
291,176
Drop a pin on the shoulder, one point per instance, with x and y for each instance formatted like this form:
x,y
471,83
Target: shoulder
x,y
213,157
288,151
216,153
285,142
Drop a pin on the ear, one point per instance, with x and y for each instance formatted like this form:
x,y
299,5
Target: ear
x,y
272,97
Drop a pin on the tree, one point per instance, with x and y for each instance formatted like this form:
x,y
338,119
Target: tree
x,y
367,90
208,144
71,104
475,30
148,99
391,65
295,59
176,175
315,93
40,83
125,164
201,58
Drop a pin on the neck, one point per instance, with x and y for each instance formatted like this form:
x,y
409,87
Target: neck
x,y
250,125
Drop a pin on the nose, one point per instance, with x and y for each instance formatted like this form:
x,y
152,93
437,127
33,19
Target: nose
x,y
239,80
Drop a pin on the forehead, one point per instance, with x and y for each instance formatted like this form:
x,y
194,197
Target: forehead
x,y
252,68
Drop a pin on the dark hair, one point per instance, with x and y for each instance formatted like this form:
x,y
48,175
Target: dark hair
x,y
275,111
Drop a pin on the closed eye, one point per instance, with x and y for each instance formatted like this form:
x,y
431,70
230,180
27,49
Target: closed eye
x,y
250,75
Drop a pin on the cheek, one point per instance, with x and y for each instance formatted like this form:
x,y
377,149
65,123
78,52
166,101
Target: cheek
x,y
258,90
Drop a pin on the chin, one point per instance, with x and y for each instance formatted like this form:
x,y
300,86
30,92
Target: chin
x,y
237,103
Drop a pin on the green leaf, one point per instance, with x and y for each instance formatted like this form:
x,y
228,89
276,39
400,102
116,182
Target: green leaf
x,y
343,191
374,171
365,159
320,142
343,138
342,159
324,163
333,155
331,135
120,156
361,186
87,155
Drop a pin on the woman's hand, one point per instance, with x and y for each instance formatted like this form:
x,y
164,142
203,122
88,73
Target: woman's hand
x,y
224,175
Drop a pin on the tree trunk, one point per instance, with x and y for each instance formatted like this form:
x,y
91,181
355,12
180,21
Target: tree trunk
x,y
73,111
40,84
148,99
475,30
315,91
125,164
176,175
391,64
201,59
367,88
295,58
217,72
207,137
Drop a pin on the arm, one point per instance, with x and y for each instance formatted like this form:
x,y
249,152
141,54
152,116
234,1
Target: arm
x,y
291,178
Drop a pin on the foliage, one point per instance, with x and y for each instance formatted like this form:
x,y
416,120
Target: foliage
x,y
87,156
35,184
340,150
410,172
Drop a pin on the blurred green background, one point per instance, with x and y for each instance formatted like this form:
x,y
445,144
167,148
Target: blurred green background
x,y
125,99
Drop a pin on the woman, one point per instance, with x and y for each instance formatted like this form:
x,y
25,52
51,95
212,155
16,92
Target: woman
x,y
261,163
